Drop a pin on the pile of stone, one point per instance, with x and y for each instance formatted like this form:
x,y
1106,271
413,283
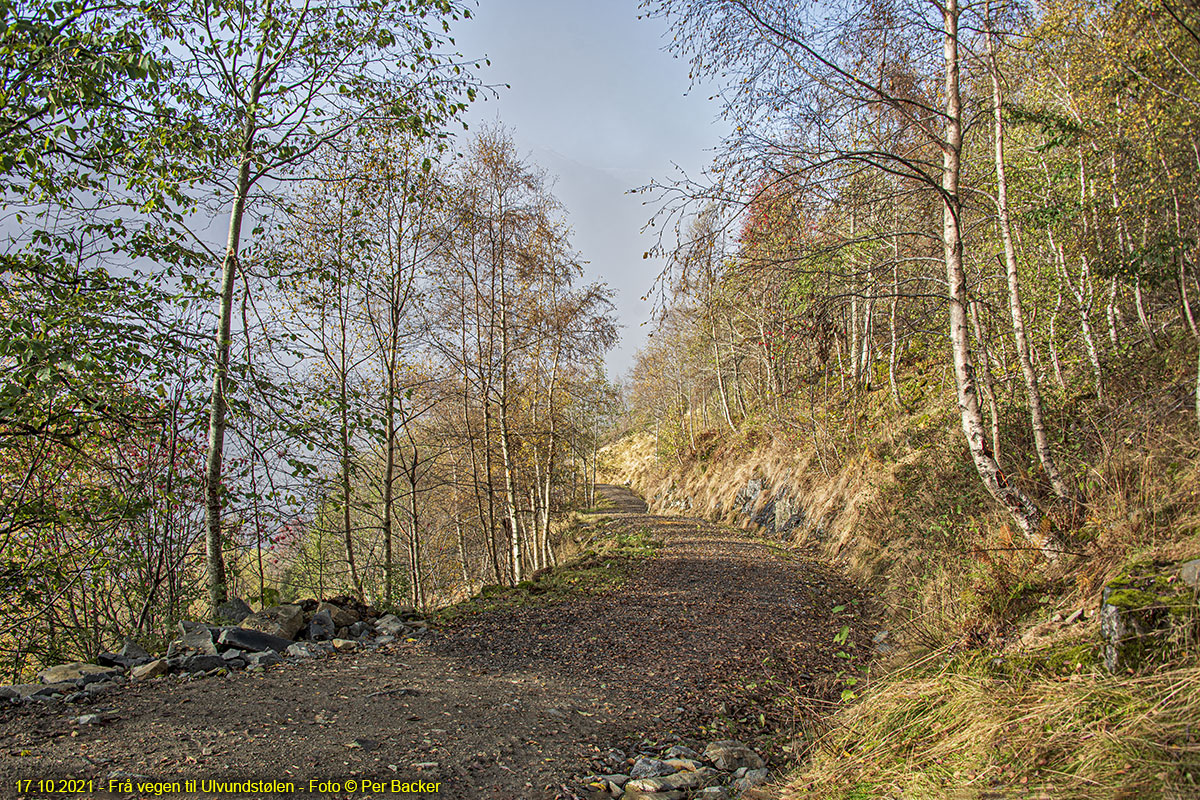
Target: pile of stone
x,y
685,770
250,640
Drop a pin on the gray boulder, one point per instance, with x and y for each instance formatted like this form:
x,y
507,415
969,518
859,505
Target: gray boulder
x,y
76,673
752,778
38,691
667,783
683,751
1137,613
201,662
153,669
198,639
231,612
135,652
246,639
390,625
729,755
1189,573
265,658
283,621
322,628
302,650
341,617
651,768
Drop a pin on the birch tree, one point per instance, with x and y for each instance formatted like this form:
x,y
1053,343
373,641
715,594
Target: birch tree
x,y
278,82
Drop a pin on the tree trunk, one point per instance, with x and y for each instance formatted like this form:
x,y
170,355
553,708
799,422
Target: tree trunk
x,y
510,489
214,555
989,379
1032,391
893,336
346,491
389,479
1024,513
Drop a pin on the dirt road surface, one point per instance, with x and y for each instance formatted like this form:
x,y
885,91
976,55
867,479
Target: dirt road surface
x,y
718,634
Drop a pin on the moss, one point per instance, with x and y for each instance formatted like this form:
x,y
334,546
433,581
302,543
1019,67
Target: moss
x,y
1143,585
1133,599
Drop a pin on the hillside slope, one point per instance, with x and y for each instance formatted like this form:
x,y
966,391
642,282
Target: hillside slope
x,y
983,634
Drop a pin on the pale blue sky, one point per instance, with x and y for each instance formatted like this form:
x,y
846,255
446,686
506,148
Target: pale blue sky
x,y
602,108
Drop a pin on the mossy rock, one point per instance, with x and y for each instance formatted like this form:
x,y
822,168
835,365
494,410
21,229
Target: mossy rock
x,y
1140,611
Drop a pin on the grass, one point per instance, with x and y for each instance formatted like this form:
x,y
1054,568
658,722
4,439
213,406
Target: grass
x,y
973,725
604,567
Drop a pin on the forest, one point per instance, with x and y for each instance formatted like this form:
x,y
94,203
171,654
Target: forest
x,y
276,325
933,311
272,327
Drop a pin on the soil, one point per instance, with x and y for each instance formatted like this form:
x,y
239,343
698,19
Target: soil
x,y
719,635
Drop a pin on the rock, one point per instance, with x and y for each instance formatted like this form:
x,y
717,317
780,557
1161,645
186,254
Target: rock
x,y
789,514
198,639
89,719
1189,573
266,658
42,691
132,651
359,629
130,656
302,650
282,621
98,687
1135,611
650,768
748,495
345,645
390,625
666,783
637,794
752,778
231,612
728,755
233,659
341,617
712,793
385,640
153,669
201,662
683,751
247,639
113,660
617,781
26,691
321,628
683,764
76,673
765,517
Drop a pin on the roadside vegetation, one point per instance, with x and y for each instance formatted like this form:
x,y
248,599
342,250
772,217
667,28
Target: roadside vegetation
x,y
936,301
603,560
